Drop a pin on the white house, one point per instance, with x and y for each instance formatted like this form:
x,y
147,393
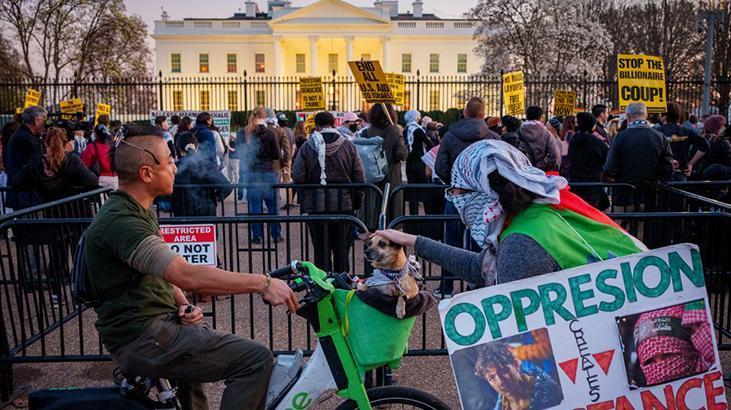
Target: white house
x,y
313,40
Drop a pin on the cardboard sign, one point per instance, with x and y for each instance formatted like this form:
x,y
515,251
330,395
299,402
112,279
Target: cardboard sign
x,y
69,108
196,243
32,98
514,93
641,78
221,119
564,103
313,98
397,84
372,81
303,116
102,109
628,333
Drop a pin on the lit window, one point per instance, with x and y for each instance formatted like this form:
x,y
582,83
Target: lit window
x,y
407,100
433,63
300,63
231,63
260,97
365,56
205,102
177,100
233,100
433,100
175,63
203,63
405,63
332,63
461,63
259,63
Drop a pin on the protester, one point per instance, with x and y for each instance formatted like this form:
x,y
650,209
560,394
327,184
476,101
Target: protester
x,y
283,123
258,151
601,115
681,140
185,126
161,122
461,134
232,159
175,120
493,123
24,145
587,154
550,228
350,125
543,148
554,126
97,156
329,158
640,156
206,138
300,135
142,320
613,128
284,166
363,121
220,146
8,130
416,172
717,161
509,134
568,128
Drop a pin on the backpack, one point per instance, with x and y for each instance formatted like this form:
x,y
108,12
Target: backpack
x,y
80,285
373,156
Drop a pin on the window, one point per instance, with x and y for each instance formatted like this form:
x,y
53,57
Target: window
x,y
175,62
233,100
461,63
433,63
205,101
231,63
433,100
407,100
405,63
365,56
259,63
300,63
177,100
203,63
261,97
332,63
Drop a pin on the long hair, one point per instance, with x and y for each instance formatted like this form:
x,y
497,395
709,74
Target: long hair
x,y
55,142
513,198
569,124
380,118
257,113
299,130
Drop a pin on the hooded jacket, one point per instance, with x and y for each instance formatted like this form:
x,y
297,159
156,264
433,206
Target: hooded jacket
x,y
342,165
461,135
544,150
73,177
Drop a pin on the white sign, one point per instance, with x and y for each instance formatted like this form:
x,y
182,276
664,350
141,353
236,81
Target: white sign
x,y
196,243
629,333
221,119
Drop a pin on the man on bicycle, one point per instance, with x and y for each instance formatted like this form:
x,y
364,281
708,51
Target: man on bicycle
x,y
142,319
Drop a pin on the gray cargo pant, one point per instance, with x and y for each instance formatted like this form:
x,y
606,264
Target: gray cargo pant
x,y
191,355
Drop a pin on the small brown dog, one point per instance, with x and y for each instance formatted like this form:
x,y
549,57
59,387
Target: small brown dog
x,y
395,275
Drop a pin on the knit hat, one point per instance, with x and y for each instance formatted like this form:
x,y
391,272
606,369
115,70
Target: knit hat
x,y
555,123
714,124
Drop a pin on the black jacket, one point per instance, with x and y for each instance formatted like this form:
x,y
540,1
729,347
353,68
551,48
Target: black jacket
x,y
587,154
197,170
681,139
461,135
72,178
258,153
640,155
415,167
22,148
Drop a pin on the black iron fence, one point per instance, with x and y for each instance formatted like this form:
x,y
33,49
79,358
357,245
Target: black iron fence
x,y
134,98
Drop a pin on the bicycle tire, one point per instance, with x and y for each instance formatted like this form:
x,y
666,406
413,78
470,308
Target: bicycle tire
x,y
380,396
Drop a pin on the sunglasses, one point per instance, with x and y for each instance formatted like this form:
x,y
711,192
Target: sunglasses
x,y
119,139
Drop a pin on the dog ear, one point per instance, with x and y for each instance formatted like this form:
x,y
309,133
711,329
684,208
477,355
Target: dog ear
x,y
364,236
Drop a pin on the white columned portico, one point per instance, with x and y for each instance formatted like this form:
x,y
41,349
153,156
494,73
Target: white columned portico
x,y
278,64
348,48
313,55
385,40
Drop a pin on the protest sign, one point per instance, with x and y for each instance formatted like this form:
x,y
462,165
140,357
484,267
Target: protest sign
x,y
628,333
305,116
196,243
221,119
313,98
564,103
372,81
102,109
396,82
514,93
32,98
641,78
69,108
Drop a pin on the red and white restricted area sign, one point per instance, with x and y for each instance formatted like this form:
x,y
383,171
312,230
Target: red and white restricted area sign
x,y
196,243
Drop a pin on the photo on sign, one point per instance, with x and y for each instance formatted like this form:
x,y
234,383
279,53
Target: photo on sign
x,y
667,344
518,372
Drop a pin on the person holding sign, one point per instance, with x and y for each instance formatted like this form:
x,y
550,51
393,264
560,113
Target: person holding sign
x,y
550,228
144,319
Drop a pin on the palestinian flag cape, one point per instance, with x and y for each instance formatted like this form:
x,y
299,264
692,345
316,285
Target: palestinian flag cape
x,y
573,232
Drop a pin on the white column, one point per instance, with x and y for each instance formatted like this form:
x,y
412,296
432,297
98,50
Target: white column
x,y
348,48
278,63
386,51
313,55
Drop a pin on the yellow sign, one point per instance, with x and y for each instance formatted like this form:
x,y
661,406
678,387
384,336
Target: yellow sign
x,y
396,82
310,124
564,103
102,109
313,99
69,108
18,110
514,93
32,98
372,81
641,78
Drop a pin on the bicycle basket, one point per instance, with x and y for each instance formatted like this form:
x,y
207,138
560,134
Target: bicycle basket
x,y
375,339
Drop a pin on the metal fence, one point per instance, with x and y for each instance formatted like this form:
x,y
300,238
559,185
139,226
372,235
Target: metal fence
x,y
132,99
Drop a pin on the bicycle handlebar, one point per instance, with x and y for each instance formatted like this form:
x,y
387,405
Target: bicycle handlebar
x,y
284,271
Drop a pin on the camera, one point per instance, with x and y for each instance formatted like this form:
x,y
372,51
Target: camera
x,y
78,122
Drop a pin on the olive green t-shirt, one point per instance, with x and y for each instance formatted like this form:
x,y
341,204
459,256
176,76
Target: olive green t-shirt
x,y
113,240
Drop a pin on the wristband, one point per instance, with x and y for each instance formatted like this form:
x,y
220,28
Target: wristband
x,y
266,286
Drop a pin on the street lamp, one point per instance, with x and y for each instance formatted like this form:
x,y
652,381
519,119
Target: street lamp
x,y
712,12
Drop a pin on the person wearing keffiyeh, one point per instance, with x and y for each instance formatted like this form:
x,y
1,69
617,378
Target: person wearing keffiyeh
x,y
418,144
